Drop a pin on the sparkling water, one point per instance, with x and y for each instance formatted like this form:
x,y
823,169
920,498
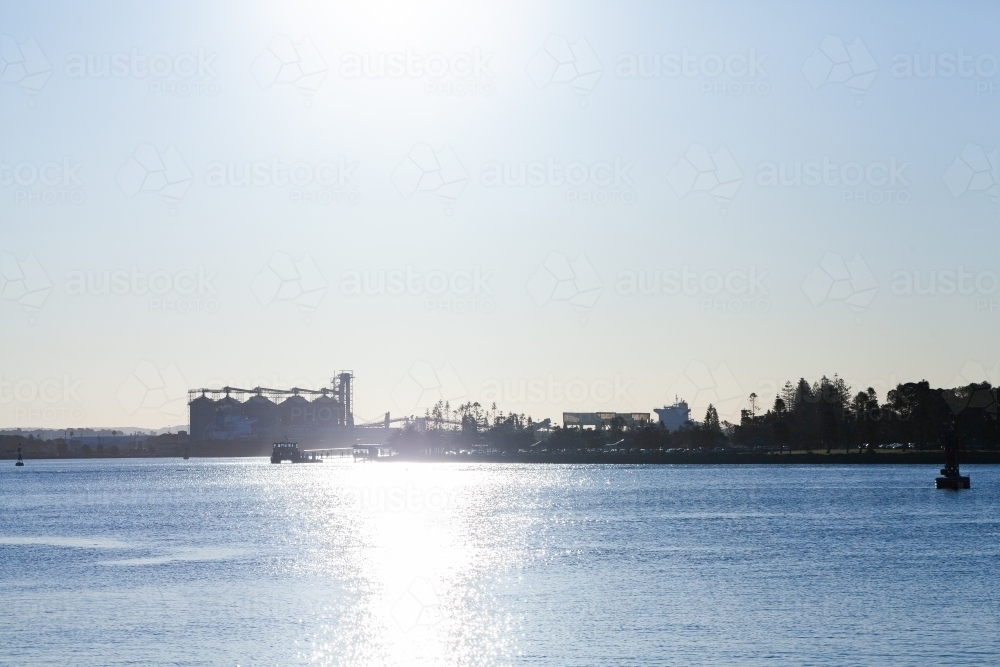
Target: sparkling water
x,y
240,562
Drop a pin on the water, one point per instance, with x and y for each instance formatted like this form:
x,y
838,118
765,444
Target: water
x,y
238,562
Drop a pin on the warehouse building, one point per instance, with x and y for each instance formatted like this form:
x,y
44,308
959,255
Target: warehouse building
x,y
602,420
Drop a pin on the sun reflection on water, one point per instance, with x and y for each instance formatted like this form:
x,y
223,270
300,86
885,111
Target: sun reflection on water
x,y
406,540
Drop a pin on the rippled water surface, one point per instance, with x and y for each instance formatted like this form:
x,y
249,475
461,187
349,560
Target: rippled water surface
x,y
239,562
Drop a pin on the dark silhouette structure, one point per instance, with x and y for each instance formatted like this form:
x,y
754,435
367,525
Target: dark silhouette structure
x,y
605,420
805,417
827,415
20,461
289,451
285,451
951,478
233,413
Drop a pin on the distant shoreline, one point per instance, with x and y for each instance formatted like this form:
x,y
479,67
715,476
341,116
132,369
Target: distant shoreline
x,y
652,458
738,458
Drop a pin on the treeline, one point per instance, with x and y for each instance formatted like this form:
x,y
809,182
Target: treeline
x,y
823,415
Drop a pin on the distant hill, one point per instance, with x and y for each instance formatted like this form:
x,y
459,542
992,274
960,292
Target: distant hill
x,y
52,433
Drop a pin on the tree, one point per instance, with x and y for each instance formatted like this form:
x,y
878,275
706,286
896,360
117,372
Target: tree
x,y
778,419
834,396
865,413
711,428
712,419
788,395
617,424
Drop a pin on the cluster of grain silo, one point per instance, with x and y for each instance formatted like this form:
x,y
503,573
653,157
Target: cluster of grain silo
x,y
232,413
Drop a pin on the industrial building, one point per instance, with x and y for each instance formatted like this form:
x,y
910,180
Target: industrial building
x,y
311,415
325,417
601,420
672,417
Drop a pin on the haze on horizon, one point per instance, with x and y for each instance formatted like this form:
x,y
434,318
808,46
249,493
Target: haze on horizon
x,y
575,206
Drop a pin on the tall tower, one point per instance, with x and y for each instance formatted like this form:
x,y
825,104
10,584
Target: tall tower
x,y
347,397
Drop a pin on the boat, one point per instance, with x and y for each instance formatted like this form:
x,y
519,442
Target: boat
x,y
20,461
289,451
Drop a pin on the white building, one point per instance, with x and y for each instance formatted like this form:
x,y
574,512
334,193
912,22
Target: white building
x,y
672,417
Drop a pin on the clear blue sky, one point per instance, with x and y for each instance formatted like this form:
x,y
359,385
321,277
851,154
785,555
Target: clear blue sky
x,y
716,198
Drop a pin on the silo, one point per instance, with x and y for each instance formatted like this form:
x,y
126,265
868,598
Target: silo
x,y
326,413
293,411
263,412
230,420
202,417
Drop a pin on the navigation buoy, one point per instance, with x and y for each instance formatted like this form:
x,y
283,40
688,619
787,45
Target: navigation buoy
x,y
20,461
950,477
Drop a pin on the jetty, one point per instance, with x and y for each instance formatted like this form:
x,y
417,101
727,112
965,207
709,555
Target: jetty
x,y
373,452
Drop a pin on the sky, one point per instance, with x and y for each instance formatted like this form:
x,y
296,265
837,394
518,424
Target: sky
x,y
561,206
